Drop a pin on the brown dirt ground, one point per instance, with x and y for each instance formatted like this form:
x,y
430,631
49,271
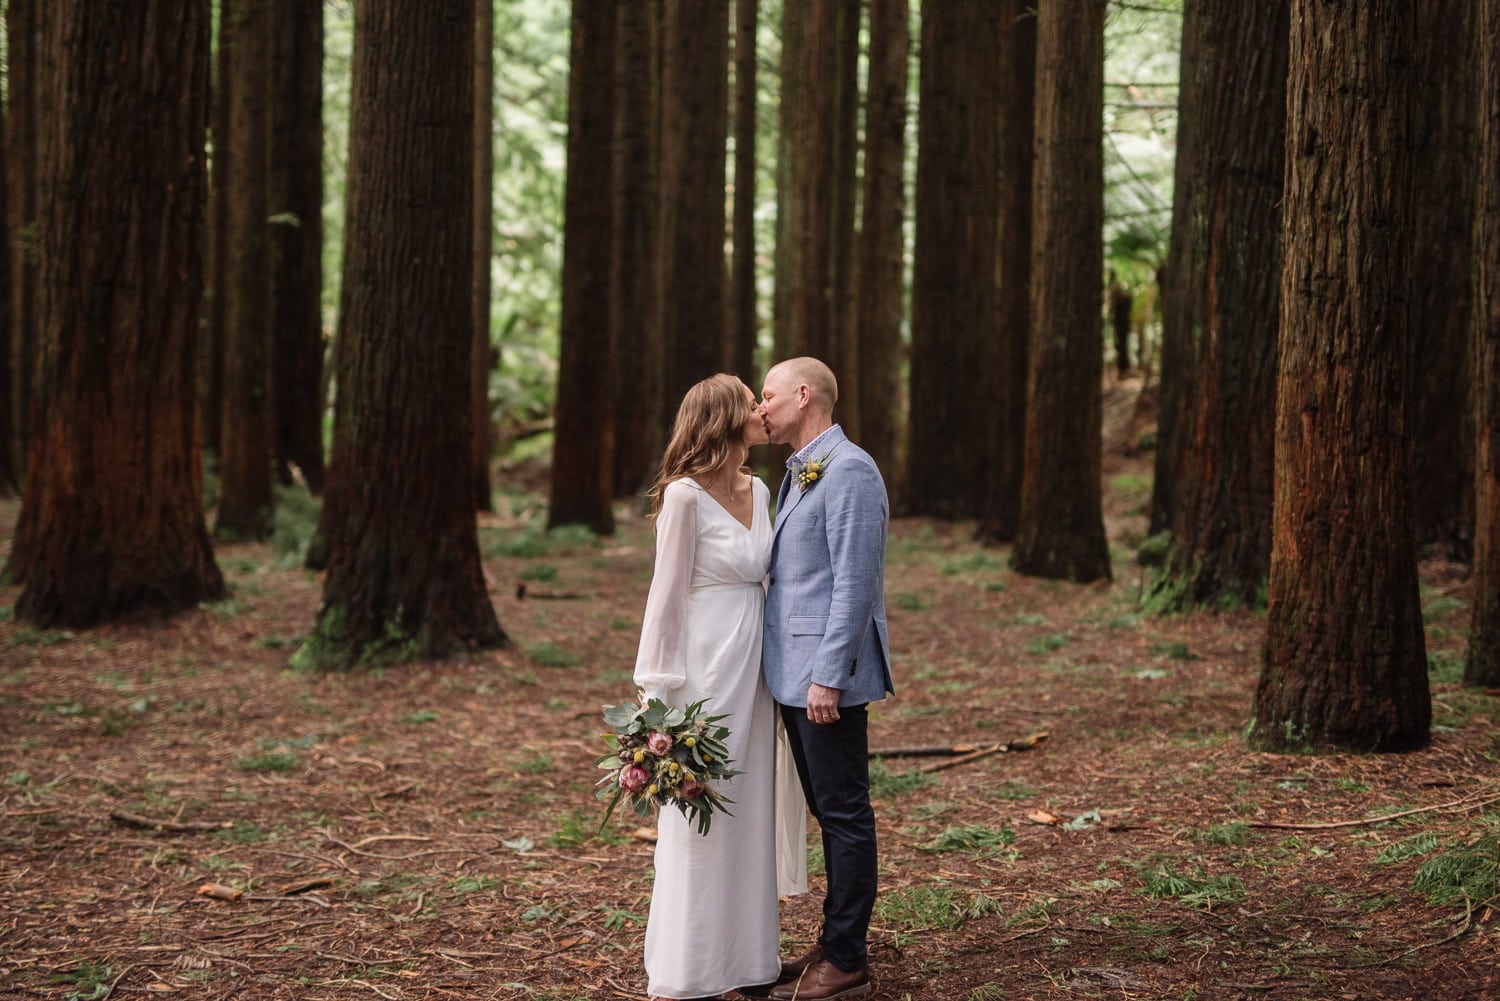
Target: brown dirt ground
x,y
449,806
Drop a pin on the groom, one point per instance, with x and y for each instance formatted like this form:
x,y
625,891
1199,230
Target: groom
x,y
826,656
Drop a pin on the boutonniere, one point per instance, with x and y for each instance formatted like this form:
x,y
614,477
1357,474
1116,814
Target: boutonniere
x,y
809,472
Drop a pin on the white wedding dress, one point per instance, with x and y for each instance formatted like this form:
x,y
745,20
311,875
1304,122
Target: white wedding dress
x,y
713,924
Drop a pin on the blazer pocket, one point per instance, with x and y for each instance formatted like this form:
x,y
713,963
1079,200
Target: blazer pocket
x,y
807,625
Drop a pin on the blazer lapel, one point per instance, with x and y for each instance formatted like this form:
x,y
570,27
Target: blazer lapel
x,y
789,497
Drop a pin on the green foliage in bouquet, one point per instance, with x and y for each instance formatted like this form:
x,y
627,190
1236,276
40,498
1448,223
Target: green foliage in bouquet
x,y
660,756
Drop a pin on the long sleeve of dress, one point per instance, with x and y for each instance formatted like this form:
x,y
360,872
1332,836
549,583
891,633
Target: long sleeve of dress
x,y
660,664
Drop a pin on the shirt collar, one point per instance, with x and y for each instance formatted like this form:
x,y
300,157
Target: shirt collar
x,y
811,449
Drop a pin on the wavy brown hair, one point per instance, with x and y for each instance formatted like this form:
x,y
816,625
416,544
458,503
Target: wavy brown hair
x,y
709,429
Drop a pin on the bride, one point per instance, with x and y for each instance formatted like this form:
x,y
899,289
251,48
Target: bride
x,y
713,923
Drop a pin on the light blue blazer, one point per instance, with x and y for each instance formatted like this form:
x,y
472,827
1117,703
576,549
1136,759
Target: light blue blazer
x,y
825,600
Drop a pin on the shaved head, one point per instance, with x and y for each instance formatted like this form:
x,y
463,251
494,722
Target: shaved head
x,y
813,374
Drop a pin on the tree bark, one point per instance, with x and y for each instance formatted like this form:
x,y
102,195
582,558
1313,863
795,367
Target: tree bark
x,y
694,127
245,496
882,240
22,122
1483,665
296,205
739,357
404,578
482,354
583,453
211,352
1007,426
955,295
635,288
1443,469
843,354
111,521
1345,665
10,448
1061,531
805,304
1222,303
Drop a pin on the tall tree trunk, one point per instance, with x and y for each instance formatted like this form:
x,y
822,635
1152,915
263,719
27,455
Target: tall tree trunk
x,y
1483,666
843,355
10,449
1443,469
211,352
1223,302
1345,665
694,127
1174,410
882,240
739,357
112,521
481,359
805,306
245,497
1061,532
635,288
954,293
296,205
404,578
583,457
1007,425
22,122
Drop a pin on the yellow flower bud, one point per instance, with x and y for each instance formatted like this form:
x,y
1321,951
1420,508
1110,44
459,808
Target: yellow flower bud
x,y
707,756
691,742
674,767
640,756
651,789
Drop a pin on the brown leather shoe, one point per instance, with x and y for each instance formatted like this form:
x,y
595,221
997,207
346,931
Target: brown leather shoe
x,y
791,969
822,981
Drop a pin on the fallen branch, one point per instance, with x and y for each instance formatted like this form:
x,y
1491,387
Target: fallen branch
x,y
1465,802
181,826
983,752
929,751
960,750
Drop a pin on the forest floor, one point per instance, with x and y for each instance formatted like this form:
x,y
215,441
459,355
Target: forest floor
x,y
430,831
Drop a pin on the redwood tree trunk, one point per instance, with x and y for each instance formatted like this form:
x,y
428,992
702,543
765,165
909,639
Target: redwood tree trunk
x,y
1443,469
1223,298
297,241
112,519
583,453
1007,426
739,356
21,136
694,127
1345,665
245,496
954,293
1061,531
882,240
211,352
635,288
1483,667
843,355
10,450
806,304
404,578
482,353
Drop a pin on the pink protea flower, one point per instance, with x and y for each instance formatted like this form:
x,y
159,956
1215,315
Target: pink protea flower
x,y
691,789
659,743
634,778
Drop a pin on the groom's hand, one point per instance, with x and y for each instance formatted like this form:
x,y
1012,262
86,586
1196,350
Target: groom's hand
x,y
822,703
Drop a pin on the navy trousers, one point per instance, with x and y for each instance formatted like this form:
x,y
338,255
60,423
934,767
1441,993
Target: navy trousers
x,y
833,764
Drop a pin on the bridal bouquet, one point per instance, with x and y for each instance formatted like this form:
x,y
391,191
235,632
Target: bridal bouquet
x,y
660,756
